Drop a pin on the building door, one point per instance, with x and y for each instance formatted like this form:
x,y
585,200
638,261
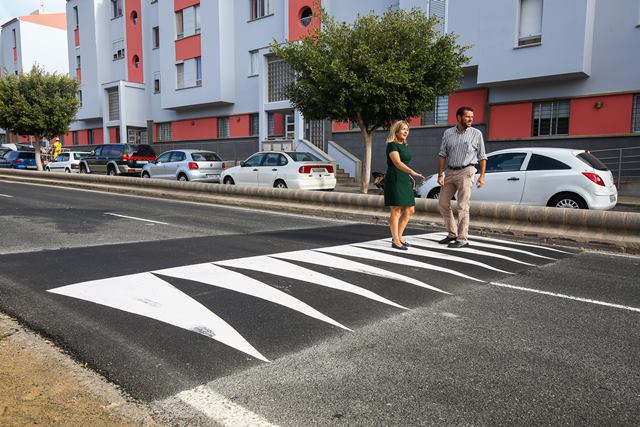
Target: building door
x,y
315,133
289,126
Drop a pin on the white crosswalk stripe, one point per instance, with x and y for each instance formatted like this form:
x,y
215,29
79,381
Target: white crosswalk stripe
x,y
509,242
148,295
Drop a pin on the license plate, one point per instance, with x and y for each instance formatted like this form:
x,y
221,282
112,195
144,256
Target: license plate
x,y
142,162
213,175
612,198
322,170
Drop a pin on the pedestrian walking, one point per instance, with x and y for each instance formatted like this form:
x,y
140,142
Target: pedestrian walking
x,y
398,188
462,151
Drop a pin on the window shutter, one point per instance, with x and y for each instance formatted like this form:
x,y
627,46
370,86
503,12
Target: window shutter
x,y
530,18
180,75
114,104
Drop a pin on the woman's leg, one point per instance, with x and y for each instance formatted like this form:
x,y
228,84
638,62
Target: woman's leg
x,y
407,213
394,218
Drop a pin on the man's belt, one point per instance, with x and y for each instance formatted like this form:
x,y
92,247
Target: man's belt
x,y
457,168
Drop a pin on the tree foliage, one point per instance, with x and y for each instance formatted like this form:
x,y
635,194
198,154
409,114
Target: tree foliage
x,y
374,71
37,103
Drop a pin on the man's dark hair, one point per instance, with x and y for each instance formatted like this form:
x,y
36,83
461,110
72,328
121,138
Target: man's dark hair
x,y
463,110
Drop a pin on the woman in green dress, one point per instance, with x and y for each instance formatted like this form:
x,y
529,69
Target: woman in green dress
x,y
398,189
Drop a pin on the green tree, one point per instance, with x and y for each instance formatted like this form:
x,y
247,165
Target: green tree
x,y
374,71
37,103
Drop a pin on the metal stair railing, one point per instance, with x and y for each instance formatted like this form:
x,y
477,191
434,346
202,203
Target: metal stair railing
x,y
624,163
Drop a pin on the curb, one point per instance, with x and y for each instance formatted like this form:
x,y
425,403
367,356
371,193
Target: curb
x,y
618,229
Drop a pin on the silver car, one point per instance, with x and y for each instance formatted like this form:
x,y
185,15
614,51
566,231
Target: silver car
x,y
185,165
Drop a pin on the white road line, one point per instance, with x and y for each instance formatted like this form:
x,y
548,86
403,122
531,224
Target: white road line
x,y
504,248
5,195
358,252
220,409
553,294
147,295
384,245
420,240
266,264
509,242
136,218
221,277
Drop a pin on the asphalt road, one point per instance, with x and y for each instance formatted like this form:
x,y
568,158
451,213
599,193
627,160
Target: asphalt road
x,y
215,315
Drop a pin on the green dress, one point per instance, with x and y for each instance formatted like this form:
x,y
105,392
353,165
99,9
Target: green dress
x,y
398,188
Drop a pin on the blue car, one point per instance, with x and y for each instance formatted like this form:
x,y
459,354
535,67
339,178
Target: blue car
x,y
19,160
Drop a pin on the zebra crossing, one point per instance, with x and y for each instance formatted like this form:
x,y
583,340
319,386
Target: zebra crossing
x,y
152,295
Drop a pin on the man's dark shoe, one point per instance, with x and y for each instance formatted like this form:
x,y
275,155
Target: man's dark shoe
x,y
447,240
457,245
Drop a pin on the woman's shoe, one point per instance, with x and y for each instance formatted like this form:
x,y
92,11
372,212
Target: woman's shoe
x,y
401,247
406,244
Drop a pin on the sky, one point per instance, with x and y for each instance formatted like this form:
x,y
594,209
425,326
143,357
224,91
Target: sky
x,y
10,9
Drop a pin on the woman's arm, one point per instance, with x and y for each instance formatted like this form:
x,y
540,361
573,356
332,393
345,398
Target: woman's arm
x,y
395,158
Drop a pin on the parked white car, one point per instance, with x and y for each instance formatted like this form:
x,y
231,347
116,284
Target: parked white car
x,y
556,177
68,162
185,165
281,169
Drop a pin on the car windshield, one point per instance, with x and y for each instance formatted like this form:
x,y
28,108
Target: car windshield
x,y
78,156
27,155
142,151
205,157
592,161
303,157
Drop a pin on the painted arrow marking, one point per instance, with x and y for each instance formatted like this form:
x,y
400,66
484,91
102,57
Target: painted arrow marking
x,y
384,245
266,264
147,295
223,278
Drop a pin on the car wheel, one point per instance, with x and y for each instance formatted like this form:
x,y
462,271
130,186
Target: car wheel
x,y
279,184
47,169
434,194
111,171
567,201
182,177
228,180
83,169
146,175
67,170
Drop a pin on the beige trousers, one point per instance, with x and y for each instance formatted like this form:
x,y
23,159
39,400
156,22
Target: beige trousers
x,y
460,181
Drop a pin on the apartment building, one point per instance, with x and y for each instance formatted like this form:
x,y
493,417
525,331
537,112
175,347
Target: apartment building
x,y
39,38
195,71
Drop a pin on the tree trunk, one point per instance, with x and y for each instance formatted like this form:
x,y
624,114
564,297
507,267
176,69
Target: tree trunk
x,y
36,146
366,162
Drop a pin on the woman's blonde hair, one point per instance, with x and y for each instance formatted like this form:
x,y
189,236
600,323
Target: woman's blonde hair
x,y
394,130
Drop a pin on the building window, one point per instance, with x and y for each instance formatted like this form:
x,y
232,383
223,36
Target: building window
x,y
254,124
155,37
76,140
279,77
79,95
551,118
253,63
196,19
260,8
116,8
90,136
530,28
134,17
118,50
180,75
438,8
223,127
78,63
198,71
114,103
440,113
305,16
179,24
164,131
636,113
76,19
14,39
156,82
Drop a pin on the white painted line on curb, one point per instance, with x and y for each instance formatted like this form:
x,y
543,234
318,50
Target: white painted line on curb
x,y
5,195
553,294
220,409
137,219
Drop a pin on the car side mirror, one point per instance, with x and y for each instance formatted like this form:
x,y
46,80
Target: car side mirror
x,y
242,164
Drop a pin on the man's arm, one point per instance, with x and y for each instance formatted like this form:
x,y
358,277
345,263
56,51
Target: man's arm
x,y
441,161
482,160
483,166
